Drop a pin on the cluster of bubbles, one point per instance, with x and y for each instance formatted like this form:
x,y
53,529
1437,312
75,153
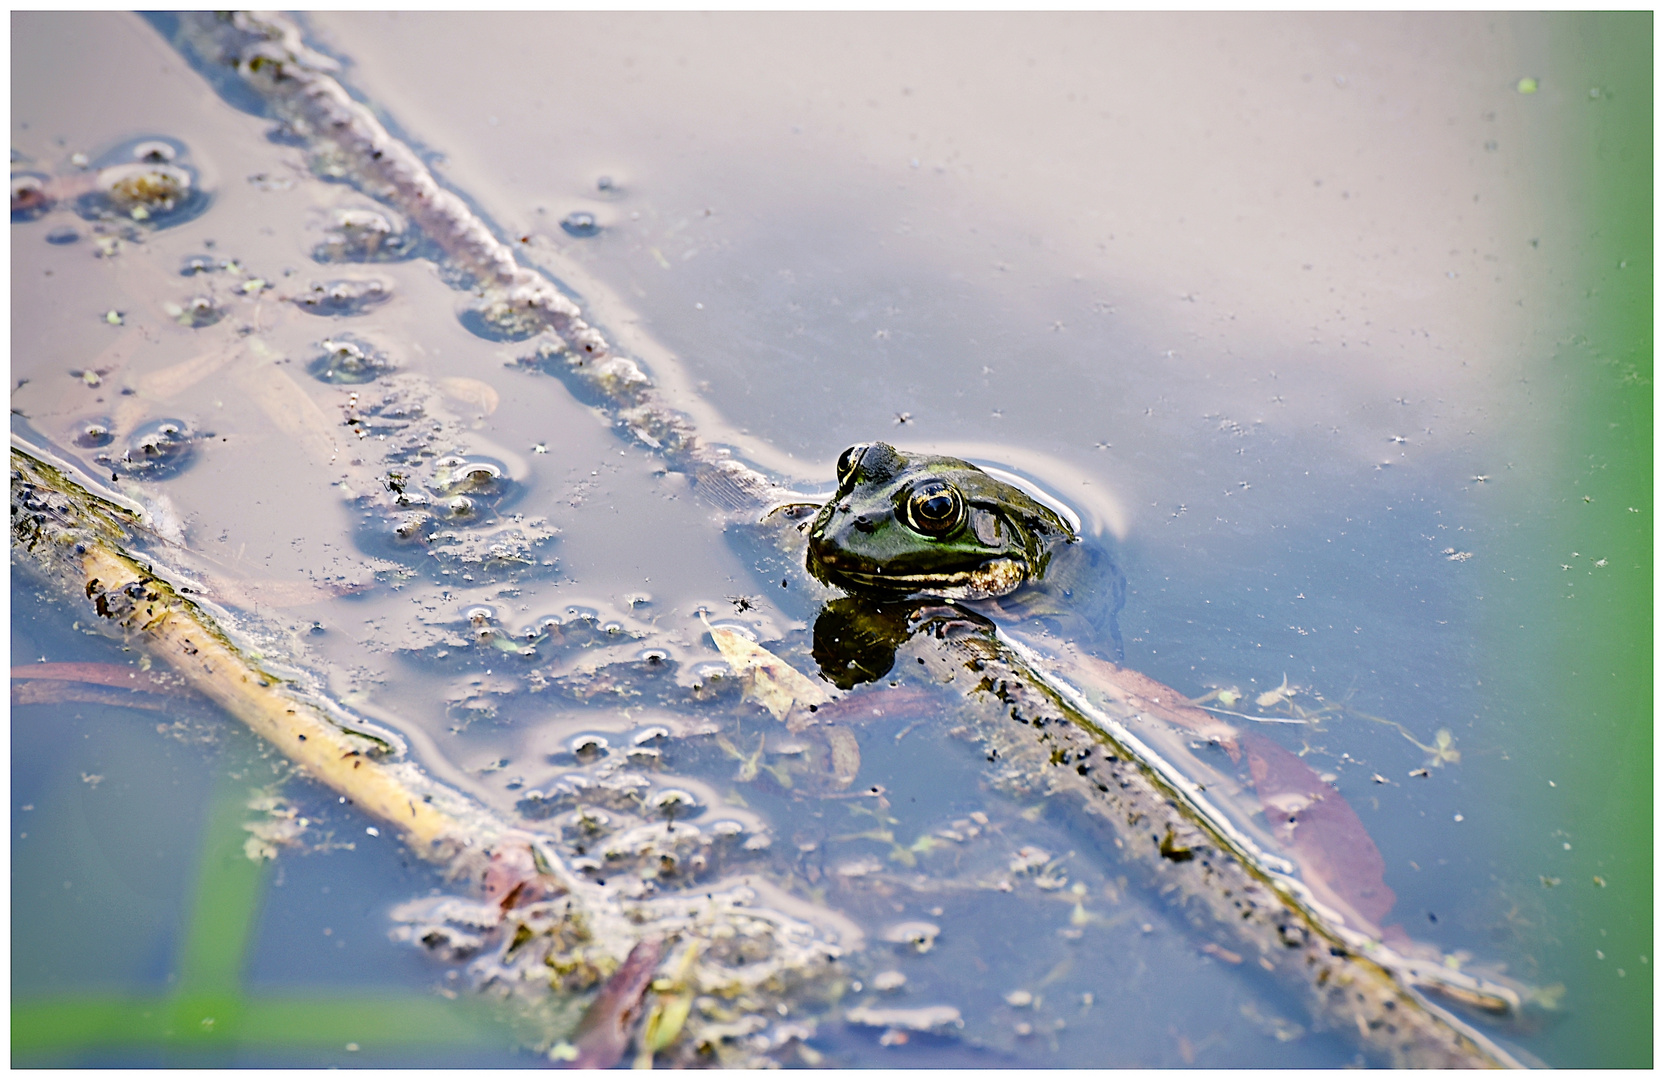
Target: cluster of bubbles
x,y
144,182
123,194
348,296
365,236
618,817
347,359
155,451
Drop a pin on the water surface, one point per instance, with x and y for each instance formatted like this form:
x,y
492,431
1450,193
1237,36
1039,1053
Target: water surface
x,y
1341,330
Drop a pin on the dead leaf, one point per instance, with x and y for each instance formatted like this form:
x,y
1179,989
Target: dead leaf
x,y
846,756
481,396
1276,695
604,1032
769,680
291,409
1146,695
1338,860
57,692
117,675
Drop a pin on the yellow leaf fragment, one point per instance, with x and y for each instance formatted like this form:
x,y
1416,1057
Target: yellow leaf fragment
x,y
769,680
670,1010
1275,695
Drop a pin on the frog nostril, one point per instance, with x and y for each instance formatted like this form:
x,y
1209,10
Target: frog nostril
x,y
865,523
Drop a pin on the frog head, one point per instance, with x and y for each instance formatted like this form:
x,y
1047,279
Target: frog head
x,y
903,524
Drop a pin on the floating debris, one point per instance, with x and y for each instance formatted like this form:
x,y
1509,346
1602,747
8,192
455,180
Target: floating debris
x,y
364,236
348,360
197,312
579,223
343,298
929,1018
31,196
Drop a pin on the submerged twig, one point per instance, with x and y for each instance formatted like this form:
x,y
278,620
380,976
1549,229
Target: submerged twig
x,y
547,925
1255,719
83,539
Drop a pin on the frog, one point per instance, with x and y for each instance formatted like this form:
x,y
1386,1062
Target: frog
x,y
905,525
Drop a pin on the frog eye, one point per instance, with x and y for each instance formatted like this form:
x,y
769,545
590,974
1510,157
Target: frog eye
x,y
935,508
847,462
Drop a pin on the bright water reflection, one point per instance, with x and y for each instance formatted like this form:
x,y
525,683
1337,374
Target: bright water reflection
x,y
1309,302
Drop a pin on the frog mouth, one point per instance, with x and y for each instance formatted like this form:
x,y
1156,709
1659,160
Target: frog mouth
x,y
996,577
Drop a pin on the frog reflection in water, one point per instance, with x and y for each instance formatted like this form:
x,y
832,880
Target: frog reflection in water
x,y
918,525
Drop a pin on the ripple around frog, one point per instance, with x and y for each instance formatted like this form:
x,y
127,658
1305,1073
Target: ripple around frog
x,y
758,947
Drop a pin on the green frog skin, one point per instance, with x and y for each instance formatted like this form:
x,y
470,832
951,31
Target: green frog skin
x,y
905,524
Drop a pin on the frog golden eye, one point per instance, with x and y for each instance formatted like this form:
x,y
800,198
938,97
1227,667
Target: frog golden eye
x,y
847,462
935,508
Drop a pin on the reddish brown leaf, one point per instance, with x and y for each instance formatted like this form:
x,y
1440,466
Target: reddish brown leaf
x,y
882,703
512,876
117,675
55,692
603,1034
1144,693
1338,861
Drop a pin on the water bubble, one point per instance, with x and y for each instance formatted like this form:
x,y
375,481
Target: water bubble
x,y
497,319
472,477
197,312
653,658
460,507
156,450
198,264
919,934
30,196
347,360
580,223
345,297
650,734
64,234
479,616
143,191
709,670
588,748
365,236
94,433
675,802
411,527
154,152
606,184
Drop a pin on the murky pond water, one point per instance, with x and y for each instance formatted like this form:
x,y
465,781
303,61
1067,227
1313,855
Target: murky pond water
x,y
1335,329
